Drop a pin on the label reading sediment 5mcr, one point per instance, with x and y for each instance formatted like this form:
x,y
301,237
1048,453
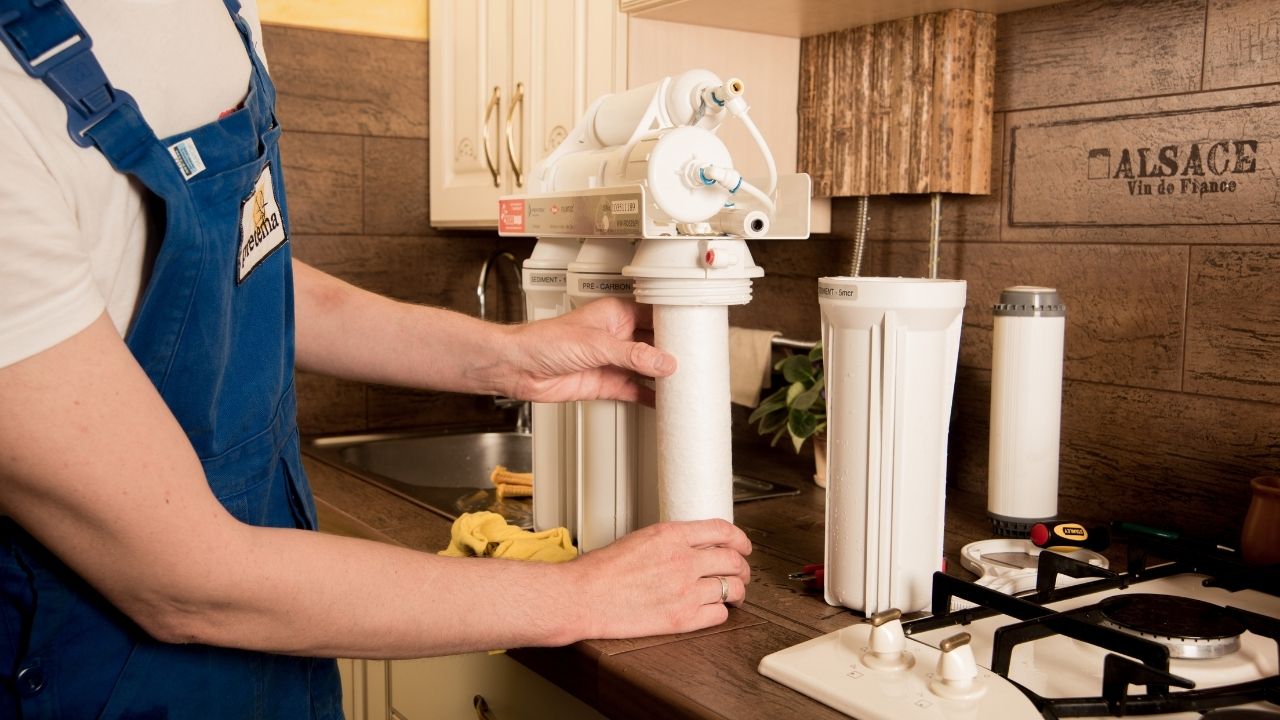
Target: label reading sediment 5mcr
x,y
847,293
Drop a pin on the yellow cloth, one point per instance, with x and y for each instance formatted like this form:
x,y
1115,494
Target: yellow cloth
x,y
487,534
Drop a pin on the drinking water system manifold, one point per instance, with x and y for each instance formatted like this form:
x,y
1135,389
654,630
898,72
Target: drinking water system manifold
x,y
642,200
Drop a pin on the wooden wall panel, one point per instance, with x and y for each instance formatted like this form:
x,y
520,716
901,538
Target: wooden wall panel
x,y
907,217
323,177
351,84
1164,459
328,405
1243,43
1083,52
395,187
1219,112
1200,166
395,407
429,270
1233,332
1160,458
1129,332
899,107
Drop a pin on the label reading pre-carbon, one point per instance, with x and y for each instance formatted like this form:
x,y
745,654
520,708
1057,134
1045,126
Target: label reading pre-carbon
x,y
605,286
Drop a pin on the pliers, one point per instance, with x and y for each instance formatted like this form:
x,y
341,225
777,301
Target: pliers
x,y
813,576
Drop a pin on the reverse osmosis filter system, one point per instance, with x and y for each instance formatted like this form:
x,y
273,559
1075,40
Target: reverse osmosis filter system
x,y
644,174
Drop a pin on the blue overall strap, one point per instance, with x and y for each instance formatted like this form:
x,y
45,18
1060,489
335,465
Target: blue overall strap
x,y
50,44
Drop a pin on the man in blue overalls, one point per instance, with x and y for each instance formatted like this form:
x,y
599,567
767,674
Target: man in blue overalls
x,y
155,553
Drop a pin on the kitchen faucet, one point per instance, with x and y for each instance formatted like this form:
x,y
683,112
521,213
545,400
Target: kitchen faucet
x,y
523,422
481,291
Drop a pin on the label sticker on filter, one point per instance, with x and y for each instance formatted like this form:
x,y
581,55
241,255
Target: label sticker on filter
x,y
261,226
511,215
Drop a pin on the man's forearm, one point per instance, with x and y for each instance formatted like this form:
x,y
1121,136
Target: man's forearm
x,y
354,334
96,468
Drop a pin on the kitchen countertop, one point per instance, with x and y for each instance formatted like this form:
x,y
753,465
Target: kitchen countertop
x,y
705,674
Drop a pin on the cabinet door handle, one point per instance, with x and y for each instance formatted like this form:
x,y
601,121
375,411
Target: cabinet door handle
x,y
482,709
516,102
495,101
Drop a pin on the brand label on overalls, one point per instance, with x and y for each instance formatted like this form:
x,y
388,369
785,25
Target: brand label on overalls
x,y
187,157
261,226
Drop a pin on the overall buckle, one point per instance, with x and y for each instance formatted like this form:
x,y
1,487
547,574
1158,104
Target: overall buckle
x,y
67,66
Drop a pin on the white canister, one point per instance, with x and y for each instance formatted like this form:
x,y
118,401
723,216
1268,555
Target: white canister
x,y
1026,409
889,348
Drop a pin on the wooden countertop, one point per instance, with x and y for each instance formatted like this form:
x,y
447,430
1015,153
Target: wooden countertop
x,y
706,674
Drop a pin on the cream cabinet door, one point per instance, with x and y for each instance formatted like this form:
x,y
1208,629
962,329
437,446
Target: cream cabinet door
x,y
444,688
573,52
470,58
364,689
544,61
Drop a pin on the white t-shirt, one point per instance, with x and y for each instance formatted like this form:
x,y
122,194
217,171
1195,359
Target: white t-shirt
x,y
73,231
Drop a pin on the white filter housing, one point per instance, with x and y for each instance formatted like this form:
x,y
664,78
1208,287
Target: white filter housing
x,y
890,347
554,424
612,459
691,284
1026,408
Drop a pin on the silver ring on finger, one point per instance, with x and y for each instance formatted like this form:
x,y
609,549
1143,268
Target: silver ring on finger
x,y
724,588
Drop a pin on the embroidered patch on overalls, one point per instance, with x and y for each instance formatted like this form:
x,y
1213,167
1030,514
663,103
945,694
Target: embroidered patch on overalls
x,y
187,157
261,228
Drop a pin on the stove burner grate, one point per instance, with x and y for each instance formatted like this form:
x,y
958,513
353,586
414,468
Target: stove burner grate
x,y
1191,629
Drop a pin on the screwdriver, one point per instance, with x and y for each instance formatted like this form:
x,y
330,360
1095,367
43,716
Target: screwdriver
x,y
1069,536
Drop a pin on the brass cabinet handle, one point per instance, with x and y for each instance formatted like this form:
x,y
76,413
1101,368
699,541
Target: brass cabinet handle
x,y
482,708
495,101
516,102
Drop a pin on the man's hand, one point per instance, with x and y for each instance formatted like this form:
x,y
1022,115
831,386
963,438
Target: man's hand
x,y
663,579
588,354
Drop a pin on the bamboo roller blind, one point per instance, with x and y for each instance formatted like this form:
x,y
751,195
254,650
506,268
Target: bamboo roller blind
x,y
899,107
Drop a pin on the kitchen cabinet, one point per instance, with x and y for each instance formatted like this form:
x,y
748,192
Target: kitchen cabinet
x,y
802,18
445,688
364,689
509,78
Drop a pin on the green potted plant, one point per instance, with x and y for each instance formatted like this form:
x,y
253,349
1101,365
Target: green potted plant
x,y
799,408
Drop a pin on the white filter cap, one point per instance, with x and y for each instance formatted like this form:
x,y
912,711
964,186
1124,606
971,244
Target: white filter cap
x,y
671,159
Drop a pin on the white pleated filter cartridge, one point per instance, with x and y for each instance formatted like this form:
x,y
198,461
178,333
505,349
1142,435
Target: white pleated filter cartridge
x,y
695,465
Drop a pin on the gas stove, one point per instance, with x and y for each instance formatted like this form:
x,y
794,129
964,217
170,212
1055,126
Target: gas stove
x,y
1198,636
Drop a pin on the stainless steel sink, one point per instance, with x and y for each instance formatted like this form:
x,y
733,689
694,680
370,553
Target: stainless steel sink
x,y
449,473
445,473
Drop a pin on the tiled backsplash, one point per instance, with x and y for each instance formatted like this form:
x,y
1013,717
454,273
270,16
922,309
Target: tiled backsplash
x,y
354,111
1172,391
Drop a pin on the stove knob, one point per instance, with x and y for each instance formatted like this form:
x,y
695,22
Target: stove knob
x,y
888,645
956,676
